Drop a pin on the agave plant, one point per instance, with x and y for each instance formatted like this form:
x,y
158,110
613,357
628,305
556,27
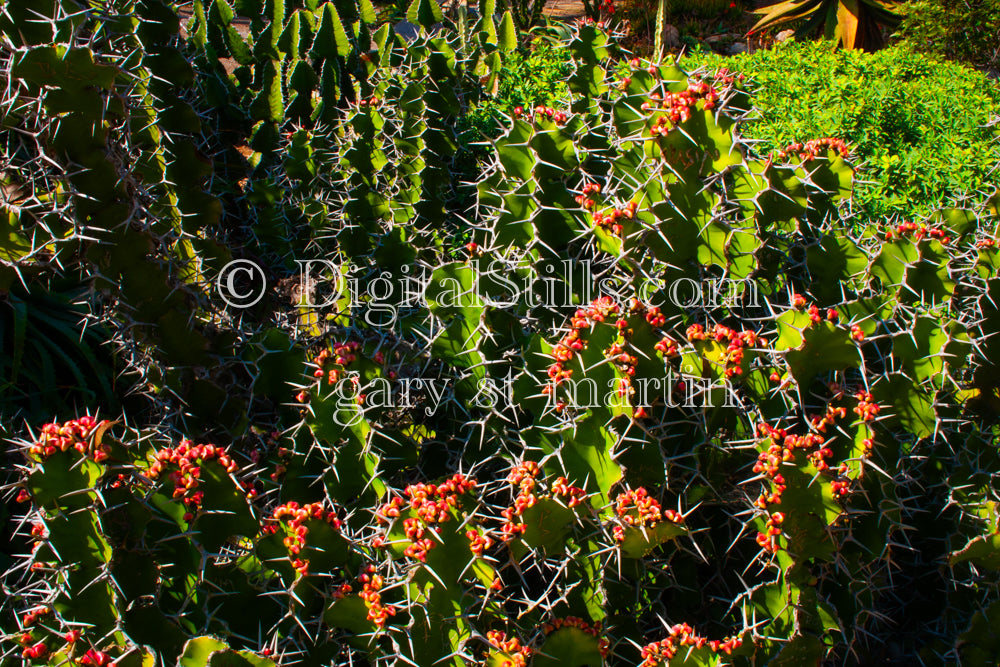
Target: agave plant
x,y
857,24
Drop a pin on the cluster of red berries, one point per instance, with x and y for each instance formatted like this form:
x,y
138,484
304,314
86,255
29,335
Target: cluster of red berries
x,y
815,316
918,231
575,622
372,102
653,314
831,315
378,613
810,150
478,542
668,346
280,468
524,476
343,354
784,444
986,243
612,220
584,199
599,310
726,78
35,652
558,117
736,342
513,648
94,658
419,545
38,649
677,106
31,617
74,434
768,540
573,495
432,504
840,487
621,359
188,459
569,344
831,416
682,635
606,6
638,509
782,450
867,409
296,516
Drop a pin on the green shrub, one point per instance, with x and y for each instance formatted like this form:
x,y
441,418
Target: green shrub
x,y
528,78
964,30
920,126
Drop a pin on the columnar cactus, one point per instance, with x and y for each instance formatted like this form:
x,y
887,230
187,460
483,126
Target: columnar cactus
x,y
652,400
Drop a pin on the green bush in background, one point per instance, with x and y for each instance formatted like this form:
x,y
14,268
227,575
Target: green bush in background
x,y
529,77
964,30
925,129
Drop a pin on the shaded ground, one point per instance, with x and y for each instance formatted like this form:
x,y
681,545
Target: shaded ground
x,y
563,9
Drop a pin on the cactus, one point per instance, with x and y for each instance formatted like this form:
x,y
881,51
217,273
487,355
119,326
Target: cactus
x,y
570,446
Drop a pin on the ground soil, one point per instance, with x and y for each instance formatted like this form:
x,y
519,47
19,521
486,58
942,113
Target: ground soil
x,y
563,10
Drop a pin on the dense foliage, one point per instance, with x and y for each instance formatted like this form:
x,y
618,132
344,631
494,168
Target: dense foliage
x,y
963,30
626,391
528,78
925,132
